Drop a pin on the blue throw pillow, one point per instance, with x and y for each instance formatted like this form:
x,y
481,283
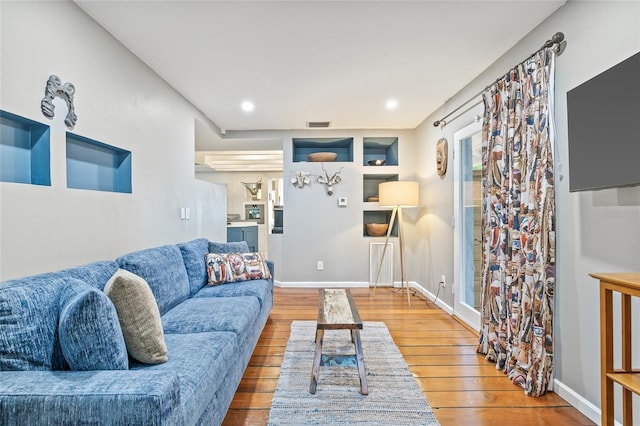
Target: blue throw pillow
x,y
233,247
192,253
29,324
89,331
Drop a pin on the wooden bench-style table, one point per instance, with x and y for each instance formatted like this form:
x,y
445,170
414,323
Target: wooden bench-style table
x,y
337,311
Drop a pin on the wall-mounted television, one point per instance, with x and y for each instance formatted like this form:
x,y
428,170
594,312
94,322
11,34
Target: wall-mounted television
x,y
604,129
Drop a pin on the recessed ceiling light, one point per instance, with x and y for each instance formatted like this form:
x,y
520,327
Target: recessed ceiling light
x,y
391,104
247,106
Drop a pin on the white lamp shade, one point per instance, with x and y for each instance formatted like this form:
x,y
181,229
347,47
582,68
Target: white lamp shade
x,y
398,194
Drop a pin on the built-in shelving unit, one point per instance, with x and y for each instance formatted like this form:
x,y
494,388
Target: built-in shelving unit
x,y
97,166
343,147
370,184
24,150
378,216
379,154
379,151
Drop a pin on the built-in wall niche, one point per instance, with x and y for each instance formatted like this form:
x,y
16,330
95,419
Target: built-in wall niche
x,y
343,147
380,151
24,150
370,184
97,166
378,216
254,211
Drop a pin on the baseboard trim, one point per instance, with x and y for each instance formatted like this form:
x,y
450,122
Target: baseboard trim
x,y
579,402
320,284
414,285
356,284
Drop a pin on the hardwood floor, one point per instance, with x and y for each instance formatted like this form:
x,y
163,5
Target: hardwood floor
x,y
462,388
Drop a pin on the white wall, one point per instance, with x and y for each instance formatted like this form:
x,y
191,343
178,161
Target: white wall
x,y
315,227
597,231
119,101
237,194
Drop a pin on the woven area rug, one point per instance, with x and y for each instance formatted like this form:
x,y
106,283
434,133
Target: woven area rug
x,y
394,396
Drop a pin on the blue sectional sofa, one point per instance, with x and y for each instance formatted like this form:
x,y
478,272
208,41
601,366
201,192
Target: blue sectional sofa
x,y
210,333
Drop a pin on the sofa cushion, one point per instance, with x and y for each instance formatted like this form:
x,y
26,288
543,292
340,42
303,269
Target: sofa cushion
x,y
202,362
197,315
232,267
232,247
163,269
83,398
193,253
262,289
139,317
89,330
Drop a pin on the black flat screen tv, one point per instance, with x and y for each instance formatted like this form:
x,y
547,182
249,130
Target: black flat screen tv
x,y
604,129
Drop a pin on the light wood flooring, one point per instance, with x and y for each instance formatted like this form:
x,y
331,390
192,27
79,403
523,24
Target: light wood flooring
x,y
461,386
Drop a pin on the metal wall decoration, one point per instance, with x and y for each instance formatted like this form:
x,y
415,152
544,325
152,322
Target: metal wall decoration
x,y
65,91
254,189
330,182
442,154
301,179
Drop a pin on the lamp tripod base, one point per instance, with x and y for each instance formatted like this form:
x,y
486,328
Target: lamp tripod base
x,y
397,212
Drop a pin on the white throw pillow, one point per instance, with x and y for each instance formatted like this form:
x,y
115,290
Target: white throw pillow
x,y
139,317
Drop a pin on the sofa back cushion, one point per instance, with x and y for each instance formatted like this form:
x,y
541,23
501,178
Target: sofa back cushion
x,y
232,247
89,330
96,274
163,269
193,253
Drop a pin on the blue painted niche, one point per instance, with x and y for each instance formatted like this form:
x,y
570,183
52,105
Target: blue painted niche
x,y
305,146
380,148
97,166
24,150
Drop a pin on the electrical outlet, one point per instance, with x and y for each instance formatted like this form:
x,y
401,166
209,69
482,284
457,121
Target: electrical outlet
x,y
320,265
443,281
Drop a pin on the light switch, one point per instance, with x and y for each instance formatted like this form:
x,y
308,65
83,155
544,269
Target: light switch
x,y
342,202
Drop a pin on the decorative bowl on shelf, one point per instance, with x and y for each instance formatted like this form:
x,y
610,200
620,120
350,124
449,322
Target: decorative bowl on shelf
x,y
377,229
377,162
317,157
373,198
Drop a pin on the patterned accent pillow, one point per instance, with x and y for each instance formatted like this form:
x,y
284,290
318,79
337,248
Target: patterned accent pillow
x,y
232,267
139,317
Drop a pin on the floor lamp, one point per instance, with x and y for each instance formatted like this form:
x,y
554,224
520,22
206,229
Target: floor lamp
x,y
397,194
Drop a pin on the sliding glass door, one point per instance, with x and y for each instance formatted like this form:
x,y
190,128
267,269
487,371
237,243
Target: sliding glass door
x,y
468,224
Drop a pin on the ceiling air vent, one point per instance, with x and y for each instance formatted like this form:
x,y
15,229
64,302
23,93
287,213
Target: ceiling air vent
x,y
318,124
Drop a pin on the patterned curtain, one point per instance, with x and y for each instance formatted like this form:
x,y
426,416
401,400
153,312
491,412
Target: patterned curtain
x,y
518,220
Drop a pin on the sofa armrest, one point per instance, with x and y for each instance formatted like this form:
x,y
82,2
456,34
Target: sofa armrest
x,y
271,267
131,397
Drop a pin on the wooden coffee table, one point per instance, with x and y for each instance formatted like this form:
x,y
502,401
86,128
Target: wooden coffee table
x,y
337,311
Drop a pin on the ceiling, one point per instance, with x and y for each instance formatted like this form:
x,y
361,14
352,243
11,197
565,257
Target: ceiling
x,y
302,61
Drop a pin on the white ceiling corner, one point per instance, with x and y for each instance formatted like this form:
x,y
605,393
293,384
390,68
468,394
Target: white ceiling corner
x,y
301,61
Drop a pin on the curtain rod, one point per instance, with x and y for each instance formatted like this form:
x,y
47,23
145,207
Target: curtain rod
x,y
557,38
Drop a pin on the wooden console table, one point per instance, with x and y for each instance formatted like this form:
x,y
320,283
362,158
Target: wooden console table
x,y
337,311
628,285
